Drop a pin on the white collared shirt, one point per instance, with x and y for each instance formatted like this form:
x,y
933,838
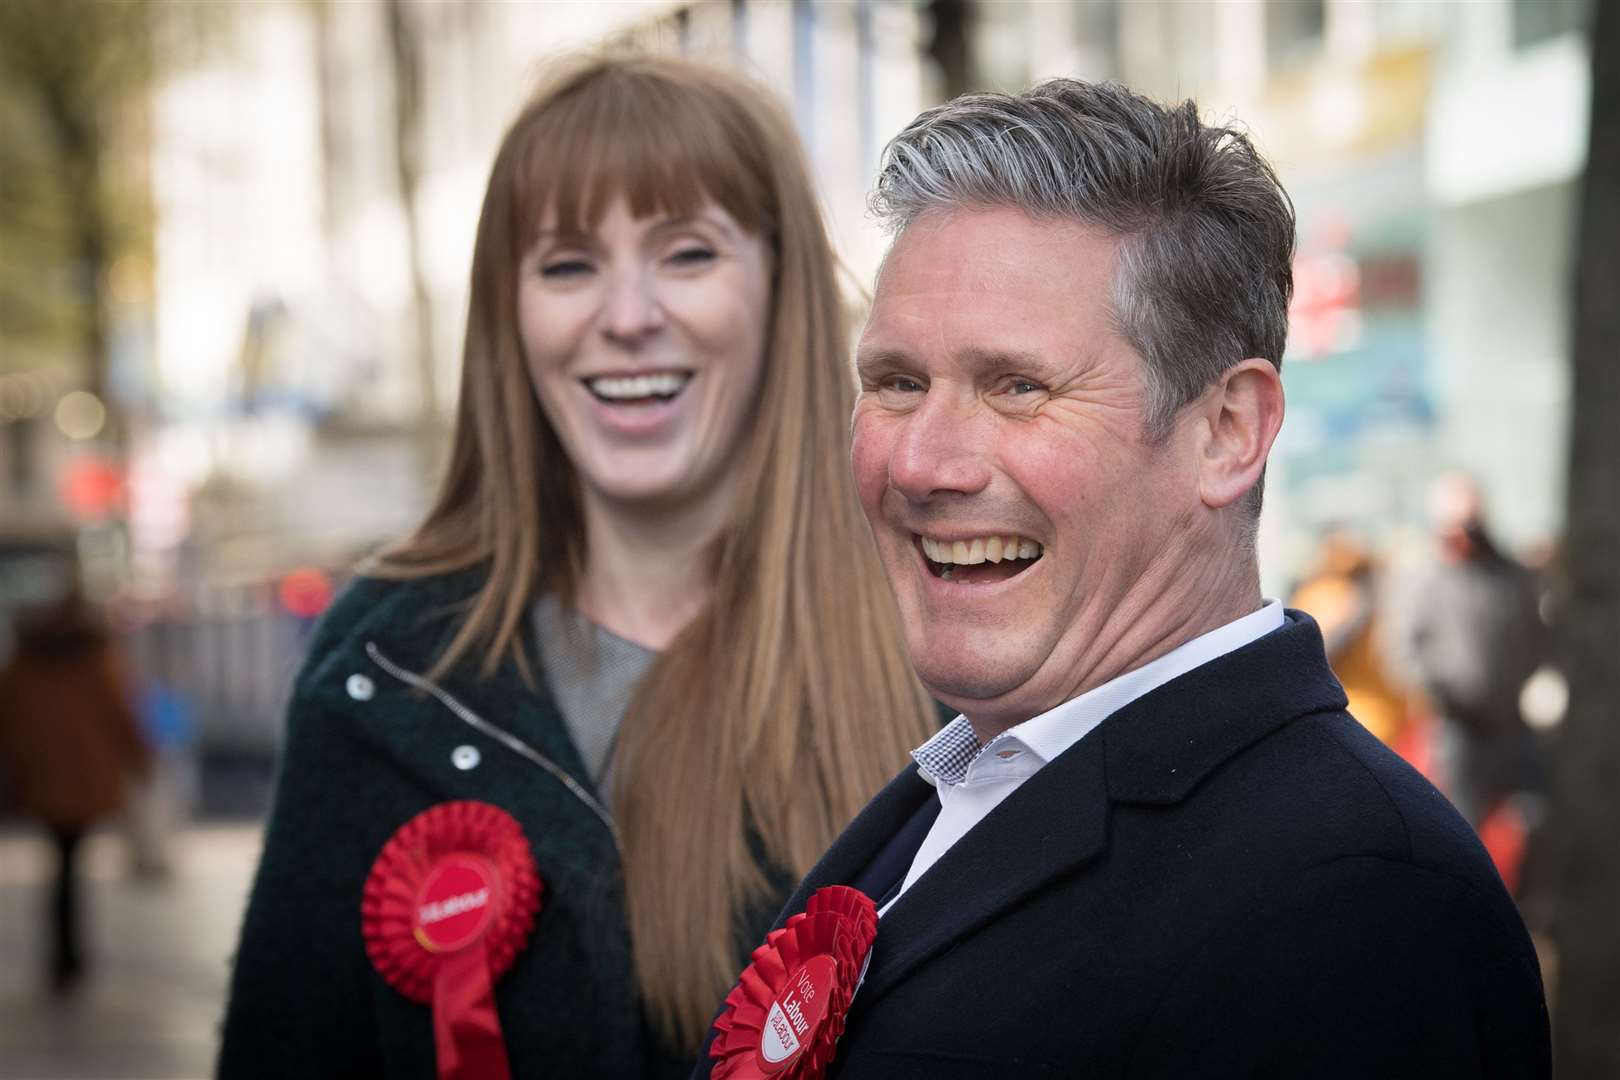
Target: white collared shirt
x,y
972,779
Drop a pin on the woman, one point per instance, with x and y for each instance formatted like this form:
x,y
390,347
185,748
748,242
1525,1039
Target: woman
x,y
642,617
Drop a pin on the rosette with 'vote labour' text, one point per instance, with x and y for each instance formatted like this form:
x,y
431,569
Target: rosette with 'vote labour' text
x,y
784,1016
450,902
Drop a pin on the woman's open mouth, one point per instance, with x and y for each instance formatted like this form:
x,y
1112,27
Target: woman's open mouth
x,y
980,560
632,390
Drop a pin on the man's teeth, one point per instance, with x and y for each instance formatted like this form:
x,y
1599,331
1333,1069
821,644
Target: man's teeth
x,y
631,387
980,549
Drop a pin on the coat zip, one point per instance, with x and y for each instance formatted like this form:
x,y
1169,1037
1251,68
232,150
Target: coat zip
x,y
505,738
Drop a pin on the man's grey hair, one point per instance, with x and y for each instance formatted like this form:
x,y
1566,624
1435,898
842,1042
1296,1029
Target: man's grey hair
x,y
1207,233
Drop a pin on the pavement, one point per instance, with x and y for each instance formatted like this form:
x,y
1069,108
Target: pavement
x,y
159,954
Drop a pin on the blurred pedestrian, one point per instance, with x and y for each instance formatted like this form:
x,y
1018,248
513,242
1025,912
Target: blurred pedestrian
x,y
158,809
1341,593
642,628
1471,635
69,746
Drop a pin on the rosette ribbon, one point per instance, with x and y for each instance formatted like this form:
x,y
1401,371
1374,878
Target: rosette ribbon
x,y
783,1018
450,902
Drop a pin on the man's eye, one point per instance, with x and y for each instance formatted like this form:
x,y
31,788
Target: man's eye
x,y
565,268
1023,386
903,383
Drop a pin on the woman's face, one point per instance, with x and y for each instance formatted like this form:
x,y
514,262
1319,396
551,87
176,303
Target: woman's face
x,y
645,338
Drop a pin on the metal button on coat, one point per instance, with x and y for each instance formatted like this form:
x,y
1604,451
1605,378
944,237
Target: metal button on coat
x,y
465,757
360,688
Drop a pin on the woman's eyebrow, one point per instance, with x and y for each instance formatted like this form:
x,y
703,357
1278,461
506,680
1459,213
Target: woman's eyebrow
x,y
684,221
672,223
570,236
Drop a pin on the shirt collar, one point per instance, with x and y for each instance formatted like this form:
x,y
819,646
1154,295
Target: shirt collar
x,y
955,756
944,758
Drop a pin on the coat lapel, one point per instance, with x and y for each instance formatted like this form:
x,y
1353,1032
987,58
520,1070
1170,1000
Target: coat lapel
x,y
575,851
1154,750
1055,822
507,701
872,828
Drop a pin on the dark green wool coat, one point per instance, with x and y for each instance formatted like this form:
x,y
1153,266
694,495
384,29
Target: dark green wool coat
x,y
364,753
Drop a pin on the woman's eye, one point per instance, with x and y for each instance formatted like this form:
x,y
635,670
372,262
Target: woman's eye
x,y
692,256
564,268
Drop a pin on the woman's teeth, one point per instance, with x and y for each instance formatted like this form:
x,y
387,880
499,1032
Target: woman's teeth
x,y
663,385
981,549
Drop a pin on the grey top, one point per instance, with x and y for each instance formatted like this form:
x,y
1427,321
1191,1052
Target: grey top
x,y
593,673
1471,634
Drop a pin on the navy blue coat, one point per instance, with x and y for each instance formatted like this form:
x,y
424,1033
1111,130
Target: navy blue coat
x,y
1228,877
365,752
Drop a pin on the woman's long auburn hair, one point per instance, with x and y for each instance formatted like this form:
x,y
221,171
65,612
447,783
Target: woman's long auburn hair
x,y
789,700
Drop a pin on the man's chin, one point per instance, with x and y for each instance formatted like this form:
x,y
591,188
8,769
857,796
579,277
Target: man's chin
x,y
975,684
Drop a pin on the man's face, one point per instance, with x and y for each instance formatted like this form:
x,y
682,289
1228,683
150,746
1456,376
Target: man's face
x,y
998,403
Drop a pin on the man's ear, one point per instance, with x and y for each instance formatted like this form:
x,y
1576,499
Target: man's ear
x,y
1243,411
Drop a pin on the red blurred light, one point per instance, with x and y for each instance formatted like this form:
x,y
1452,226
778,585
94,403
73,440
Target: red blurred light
x,y
93,488
305,593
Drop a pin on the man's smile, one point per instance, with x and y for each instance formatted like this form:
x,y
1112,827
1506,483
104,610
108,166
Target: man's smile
x,y
979,559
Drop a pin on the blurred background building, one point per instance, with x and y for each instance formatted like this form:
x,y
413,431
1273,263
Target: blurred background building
x,y
235,239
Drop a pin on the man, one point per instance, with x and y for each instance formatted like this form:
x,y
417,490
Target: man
x,y
1154,844
1470,636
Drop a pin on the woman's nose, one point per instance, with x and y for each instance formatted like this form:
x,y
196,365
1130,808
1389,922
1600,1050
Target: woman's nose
x,y
632,309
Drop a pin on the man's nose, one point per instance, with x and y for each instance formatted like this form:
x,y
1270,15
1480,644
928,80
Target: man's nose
x,y
939,451
632,308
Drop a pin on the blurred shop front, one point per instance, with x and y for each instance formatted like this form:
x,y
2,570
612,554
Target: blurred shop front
x,y
1435,183
1360,441
1432,152
1505,150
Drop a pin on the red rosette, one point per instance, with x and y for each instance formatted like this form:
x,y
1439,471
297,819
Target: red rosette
x,y
450,901
784,1016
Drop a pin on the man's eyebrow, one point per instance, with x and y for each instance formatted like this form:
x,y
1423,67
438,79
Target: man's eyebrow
x,y
883,356
981,358
974,358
